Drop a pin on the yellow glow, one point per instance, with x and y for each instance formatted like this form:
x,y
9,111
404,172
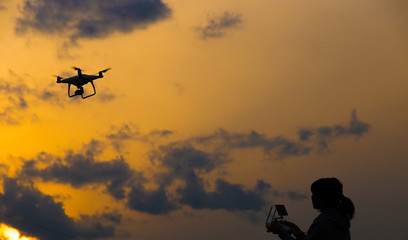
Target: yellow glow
x,y
9,233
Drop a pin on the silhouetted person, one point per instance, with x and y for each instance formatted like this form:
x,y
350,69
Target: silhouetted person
x,y
334,221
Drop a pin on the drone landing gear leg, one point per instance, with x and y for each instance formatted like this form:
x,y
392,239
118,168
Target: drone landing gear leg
x,y
69,91
91,94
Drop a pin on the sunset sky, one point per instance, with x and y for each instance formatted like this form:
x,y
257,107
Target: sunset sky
x,y
212,111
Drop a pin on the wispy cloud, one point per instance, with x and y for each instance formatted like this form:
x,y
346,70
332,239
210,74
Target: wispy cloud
x,y
281,146
89,18
309,139
16,98
321,136
217,25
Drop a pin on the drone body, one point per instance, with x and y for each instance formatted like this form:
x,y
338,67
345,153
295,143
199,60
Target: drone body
x,y
79,81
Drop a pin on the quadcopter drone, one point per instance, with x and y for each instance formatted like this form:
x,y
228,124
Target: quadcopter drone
x,y
79,81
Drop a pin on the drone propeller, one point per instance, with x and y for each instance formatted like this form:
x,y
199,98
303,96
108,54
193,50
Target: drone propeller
x,y
105,70
58,78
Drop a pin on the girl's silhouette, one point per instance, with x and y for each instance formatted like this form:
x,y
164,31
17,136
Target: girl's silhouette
x,y
334,221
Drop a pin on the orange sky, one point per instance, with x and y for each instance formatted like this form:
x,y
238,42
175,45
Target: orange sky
x,y
205,99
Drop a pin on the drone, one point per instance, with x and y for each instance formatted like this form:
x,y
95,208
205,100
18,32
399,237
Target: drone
x,y
79,81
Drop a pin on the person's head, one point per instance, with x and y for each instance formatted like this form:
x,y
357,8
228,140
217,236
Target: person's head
x,y
328,193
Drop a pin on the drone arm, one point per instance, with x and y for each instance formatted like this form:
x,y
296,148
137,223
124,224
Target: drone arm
x,y
79,71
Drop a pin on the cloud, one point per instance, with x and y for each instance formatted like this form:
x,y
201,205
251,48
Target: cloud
x,y
184,162
89,18
150,201
82,169
178,163
182,159
128,131
36,214
217,25
225,196
190,165
322,135
282,147
16,98
106,95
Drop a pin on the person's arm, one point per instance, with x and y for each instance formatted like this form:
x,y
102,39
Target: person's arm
x,y
299,234
286,230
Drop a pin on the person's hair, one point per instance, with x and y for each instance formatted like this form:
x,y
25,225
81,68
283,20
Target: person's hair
x,y
330,191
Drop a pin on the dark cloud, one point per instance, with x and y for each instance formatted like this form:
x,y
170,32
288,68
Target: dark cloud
x,y
225,196
93,148
217,25
234,197
185,163
179,163
305,134
150,201
89,18
182,159
14,98
193,193
82,169
36,214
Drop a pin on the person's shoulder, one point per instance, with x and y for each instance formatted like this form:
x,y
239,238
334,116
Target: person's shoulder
x,y
322,220
332,218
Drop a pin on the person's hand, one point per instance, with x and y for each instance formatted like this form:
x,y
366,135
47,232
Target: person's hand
x,y
294,227
274,227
